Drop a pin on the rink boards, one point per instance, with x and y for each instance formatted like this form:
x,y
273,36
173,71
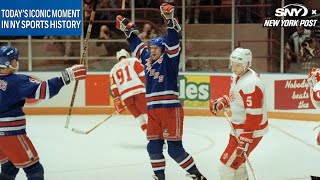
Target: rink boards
x,y
287,95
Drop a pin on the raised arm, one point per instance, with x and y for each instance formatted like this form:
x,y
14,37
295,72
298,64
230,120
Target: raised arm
x,y
172,39
138,48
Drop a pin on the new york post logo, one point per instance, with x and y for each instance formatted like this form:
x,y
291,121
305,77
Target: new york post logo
x,y
296,11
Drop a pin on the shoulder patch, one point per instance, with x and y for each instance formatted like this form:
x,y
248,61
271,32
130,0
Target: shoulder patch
x,y
34,79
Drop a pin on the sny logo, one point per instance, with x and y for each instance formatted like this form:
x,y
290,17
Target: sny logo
x,y
291,10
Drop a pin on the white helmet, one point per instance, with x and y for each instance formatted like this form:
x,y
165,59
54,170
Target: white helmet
x,y
241,55
122,53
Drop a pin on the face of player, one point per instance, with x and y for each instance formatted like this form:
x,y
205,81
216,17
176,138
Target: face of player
x,y
155,52
237,68
14,64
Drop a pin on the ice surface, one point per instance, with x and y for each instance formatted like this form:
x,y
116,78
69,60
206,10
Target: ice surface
x,y
117,149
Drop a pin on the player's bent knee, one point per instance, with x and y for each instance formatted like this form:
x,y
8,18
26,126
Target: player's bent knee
x,y
8,171
175,149
34,172
155,146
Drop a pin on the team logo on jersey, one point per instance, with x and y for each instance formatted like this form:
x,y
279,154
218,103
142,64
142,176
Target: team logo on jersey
x,y
161,77
148,64
3,85
34,80
291,11
165,132
231,96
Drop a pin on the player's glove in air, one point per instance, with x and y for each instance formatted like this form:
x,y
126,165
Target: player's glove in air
x,y
126,26
74,73
167,12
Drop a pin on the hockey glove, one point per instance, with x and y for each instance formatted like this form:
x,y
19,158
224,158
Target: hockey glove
x,y
74,73
118,105
245,140
126,26
219,104
167,12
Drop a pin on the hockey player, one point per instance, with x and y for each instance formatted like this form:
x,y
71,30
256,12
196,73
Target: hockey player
x,y
314,83
165,113
249,115
128,84
16,149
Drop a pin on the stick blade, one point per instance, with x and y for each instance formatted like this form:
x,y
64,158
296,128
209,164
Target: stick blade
x,y
66,125
79,131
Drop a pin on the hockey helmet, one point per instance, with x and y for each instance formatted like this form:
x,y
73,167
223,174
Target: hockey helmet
x,y
122,53
7,54
158,41
314,76
241,55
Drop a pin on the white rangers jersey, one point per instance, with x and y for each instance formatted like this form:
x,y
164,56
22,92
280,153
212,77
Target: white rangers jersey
x,y
315,95
248,104
127,78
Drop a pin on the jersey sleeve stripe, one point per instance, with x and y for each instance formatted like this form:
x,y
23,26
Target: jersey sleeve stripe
x,y
172,48
43,88
47,91
137,52
173,55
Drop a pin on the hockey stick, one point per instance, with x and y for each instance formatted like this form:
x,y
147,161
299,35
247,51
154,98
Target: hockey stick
x,y
237,138
83,55
123,5
316,127
93,128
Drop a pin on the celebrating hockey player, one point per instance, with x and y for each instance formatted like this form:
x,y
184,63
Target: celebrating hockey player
x,y
165,114
16,149
314,83
128,84
249,115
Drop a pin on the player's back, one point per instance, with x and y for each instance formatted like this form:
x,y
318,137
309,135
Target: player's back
x,y
126,75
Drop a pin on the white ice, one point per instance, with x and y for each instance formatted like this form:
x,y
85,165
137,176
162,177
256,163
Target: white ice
x,y
117,149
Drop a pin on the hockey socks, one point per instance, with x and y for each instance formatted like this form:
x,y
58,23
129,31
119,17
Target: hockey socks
x,y
157,159
8,171
185,160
